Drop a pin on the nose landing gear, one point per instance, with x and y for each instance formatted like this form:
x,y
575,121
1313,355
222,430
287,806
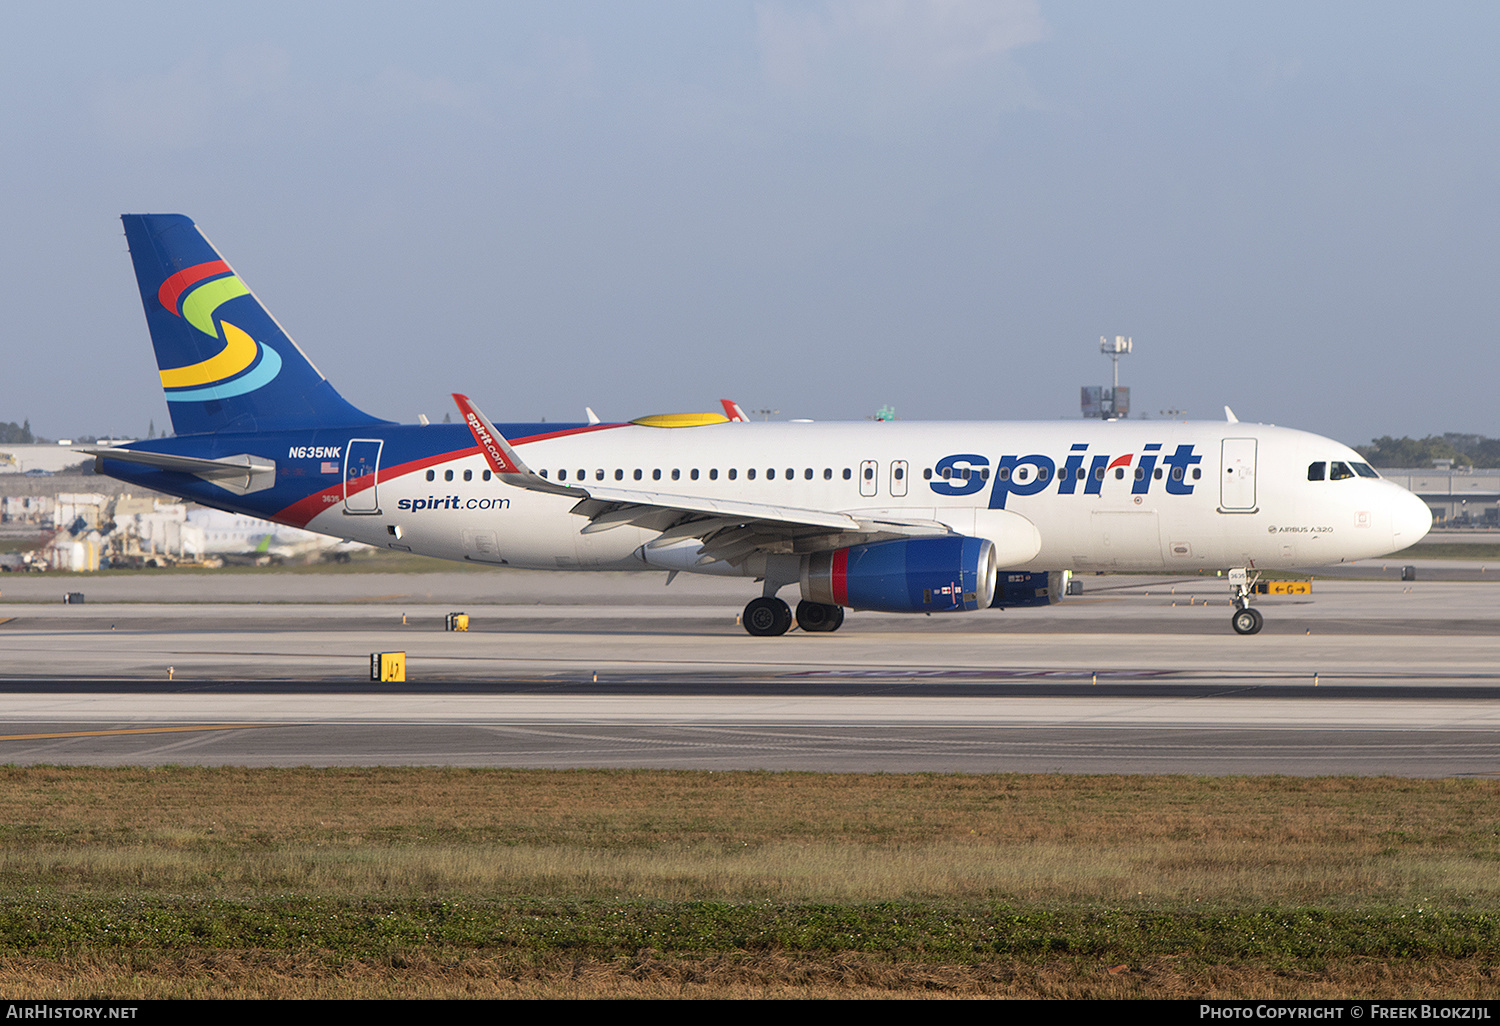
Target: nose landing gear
x,y
1245,620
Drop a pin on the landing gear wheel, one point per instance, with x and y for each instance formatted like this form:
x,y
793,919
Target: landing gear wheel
x,y
819,616
767,617
1246,621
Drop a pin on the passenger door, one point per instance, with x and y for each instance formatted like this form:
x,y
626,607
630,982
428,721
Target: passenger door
x,y
1237,476
361,473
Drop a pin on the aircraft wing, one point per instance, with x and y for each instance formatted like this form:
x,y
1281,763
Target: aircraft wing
x,y
730,529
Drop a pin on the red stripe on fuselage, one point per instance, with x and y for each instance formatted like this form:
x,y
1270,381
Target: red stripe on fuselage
x,y
173,288
301,512
564,434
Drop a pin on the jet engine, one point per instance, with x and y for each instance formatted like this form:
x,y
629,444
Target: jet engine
x,y
1030,588
949,574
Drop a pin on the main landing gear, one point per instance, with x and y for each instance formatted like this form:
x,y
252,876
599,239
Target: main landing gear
x,y
1245,620
769,617
819,617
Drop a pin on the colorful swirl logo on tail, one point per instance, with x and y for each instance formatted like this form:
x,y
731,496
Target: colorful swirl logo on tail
x,y
243,365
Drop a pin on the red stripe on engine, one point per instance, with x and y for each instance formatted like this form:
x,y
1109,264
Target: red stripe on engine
x,y
839,577
175,286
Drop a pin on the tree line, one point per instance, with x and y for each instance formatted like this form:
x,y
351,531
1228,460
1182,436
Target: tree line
x,y
1463,450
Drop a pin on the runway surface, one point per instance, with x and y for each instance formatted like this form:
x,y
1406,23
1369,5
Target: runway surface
x,y
1137,675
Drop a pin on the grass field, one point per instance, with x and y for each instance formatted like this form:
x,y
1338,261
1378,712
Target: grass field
x,y
428,882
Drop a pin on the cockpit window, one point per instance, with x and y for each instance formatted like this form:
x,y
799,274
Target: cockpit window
x,y
1315,471
1339,471
1364,470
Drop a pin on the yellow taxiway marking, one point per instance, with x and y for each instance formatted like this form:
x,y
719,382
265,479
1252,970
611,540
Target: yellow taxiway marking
x,y
130,730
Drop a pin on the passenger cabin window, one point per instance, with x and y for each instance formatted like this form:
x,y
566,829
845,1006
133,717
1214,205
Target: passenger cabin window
x,y
750,474
1316,471
656,475
1338,471
468,475
619,475
432,475
488,475
447,475
848,473
637,473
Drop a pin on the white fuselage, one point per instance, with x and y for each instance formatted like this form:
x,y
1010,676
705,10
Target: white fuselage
x,y
1145,496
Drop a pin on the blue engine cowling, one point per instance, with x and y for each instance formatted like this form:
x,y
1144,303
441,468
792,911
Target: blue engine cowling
x,y
1030,588
912,575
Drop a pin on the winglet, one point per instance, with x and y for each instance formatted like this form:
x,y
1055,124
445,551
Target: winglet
x,y
732,410
502,458
1229,416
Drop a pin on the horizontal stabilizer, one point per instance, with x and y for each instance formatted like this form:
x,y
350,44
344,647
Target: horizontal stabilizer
x,y
240,474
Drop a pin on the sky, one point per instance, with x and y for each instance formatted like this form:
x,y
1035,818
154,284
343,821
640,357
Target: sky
x,y
818,208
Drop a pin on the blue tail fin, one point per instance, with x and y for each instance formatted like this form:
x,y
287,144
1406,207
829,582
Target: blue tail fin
x,y
225,363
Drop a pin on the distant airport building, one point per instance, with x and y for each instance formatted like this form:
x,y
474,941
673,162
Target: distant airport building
x,y
46,459
1457,498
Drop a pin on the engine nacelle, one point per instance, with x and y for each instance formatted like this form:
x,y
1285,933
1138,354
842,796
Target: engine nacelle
x,y
911,575
1030,588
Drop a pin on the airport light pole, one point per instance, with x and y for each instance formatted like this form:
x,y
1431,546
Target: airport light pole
x,y
1114,350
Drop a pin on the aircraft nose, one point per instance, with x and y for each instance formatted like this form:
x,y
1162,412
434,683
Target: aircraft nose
x,y
1410,520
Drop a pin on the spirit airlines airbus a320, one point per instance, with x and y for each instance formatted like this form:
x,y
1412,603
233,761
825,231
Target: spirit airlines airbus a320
x,y
898,517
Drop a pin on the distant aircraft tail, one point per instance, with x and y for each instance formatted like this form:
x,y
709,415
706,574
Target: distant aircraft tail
x,y
225,363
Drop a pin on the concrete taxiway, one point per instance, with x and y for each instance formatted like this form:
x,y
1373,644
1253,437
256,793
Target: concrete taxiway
x,y
1136,675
